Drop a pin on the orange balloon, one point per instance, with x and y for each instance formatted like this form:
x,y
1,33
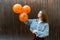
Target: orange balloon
x,y
23,17
26,9
17,8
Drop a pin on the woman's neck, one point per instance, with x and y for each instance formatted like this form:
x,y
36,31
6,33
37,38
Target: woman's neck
x,y
39,19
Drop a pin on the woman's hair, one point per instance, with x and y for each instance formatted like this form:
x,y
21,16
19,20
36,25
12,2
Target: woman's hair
x,y
44,16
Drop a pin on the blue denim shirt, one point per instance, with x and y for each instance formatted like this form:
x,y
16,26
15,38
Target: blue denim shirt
x,y
43,28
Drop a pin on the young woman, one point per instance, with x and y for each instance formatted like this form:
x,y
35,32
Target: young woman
x,y
39,27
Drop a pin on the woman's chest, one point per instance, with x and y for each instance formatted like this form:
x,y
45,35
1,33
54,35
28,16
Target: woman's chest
x,y
38,26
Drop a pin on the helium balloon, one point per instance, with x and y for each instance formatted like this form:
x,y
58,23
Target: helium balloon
x,y
23,17
17,8
26,9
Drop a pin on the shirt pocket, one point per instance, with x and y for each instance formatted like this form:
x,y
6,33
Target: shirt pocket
x,y
41,28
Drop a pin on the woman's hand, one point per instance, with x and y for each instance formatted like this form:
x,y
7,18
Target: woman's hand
x,y
35,31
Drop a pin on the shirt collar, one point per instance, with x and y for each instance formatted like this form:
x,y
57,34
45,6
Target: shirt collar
x,y
40,21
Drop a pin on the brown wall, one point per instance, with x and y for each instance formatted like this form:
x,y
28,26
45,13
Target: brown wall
x,y
10,24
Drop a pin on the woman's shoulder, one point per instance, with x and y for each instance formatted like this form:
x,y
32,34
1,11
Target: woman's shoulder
x,y
46,23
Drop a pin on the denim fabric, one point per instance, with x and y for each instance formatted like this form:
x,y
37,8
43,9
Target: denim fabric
x,y
43,28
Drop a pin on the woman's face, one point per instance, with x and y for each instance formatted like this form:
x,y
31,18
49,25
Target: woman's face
x,y
40,14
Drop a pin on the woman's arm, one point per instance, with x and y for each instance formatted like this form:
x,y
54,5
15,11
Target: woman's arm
x,y
29,21
32,28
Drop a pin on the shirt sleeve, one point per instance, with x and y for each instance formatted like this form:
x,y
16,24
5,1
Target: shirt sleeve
x,y
29,21
45,32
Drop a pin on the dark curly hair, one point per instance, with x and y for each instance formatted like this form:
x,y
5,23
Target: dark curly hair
x,y
44,16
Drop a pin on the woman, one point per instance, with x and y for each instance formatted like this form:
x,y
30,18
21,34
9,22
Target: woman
x,y
39,27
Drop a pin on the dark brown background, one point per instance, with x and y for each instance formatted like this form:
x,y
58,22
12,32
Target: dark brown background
x,y
11,28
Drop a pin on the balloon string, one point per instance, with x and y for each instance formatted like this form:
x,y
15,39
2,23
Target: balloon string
x,y
25,2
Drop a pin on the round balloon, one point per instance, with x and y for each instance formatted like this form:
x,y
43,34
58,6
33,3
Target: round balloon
x,y
17,8
26,9
23,17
